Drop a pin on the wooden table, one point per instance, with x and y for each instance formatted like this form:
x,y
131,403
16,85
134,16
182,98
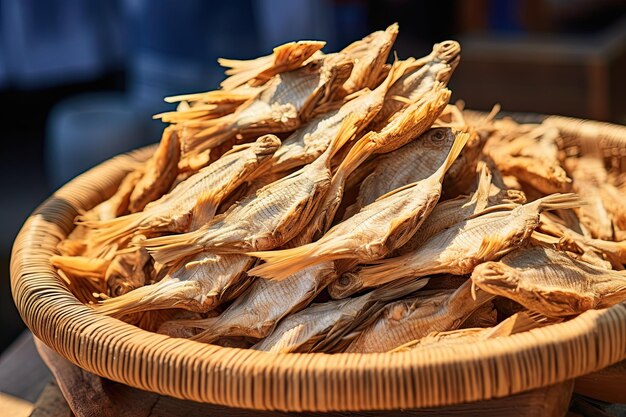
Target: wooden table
x,y
29,387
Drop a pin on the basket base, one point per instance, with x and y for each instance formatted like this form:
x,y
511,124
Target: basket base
x,y
88,394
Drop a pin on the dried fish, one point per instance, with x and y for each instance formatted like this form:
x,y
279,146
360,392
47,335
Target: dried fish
x,y
194,201
197,284
460,248
403,321
287,100
375,231
117,204
517,323
266,220
257,311
255,72
550,282
327,326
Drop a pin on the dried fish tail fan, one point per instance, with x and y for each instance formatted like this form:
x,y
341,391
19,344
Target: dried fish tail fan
x,y
255,72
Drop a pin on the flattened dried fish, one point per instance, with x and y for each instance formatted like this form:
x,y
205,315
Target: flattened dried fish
x,y
404,321
460,248
312,139
375,231
117,205
257,311
413,162
287,100
255,72
198,284
517,323
266,220
194,201
327,326
532,158
550,282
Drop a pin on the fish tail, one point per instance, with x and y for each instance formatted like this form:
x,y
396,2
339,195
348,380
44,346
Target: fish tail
x,y
215,132
558,201
161,295
107,231
459,143
361,150
374,275
346,132
81,265
280,264
169,249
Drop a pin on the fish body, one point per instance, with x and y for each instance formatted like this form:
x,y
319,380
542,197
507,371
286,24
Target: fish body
x,y
194,201
197,284
406,320
375,231
460,248
550,282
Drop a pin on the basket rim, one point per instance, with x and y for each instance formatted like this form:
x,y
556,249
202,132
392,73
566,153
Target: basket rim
x,y
195,371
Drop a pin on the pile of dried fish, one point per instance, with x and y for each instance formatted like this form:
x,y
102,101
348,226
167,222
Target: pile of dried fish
x,y
338,203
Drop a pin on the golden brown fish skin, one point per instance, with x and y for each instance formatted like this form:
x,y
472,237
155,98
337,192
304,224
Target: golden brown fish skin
x,y
413,162
286,101
258,71
310,141
257,311
435,68
370,55
375,231
550,282
325,327
532,157
517,323
406,320
194,201
196,284
588,175
276,214
460,248
159,173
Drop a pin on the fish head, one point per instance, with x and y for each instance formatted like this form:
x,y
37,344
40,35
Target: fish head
x,y
266,145
496,278
440,138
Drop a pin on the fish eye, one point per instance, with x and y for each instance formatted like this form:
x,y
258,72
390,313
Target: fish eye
x,y
438,136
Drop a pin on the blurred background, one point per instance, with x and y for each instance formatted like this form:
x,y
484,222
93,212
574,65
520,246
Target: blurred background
x,y
80,79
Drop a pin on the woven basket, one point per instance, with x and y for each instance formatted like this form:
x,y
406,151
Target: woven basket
x,y
293,382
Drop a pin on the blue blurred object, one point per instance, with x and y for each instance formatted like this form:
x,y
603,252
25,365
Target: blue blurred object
x,y
88,129
44,43
174,47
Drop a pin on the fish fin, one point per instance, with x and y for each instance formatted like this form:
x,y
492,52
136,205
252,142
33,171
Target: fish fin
x,y
398,289
212,97
168,249
459,143
107,231
489,248
204,209
81,265
346,132
517,323
558,202
281,264
481,196
285,57
361,150
492,209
